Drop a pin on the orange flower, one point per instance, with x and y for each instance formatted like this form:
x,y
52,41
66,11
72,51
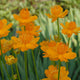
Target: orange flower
x,y
70,28
31,29
52,73
24,17
26,20
4,28
57,12
6,45
57,51
25,42
10,59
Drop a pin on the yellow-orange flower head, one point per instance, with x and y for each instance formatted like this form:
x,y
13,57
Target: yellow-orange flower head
x,y
24,17
6,45
25,42
69,28
10,59
4,28
52,73
57,51
57,12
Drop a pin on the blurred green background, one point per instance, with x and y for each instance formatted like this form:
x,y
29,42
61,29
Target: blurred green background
x,y
40,8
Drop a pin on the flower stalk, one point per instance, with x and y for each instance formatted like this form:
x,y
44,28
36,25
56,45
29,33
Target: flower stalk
x,y
1,63
12,72
1,69
17,69
59,63
67,62
35,65
58,28
25,58
59,69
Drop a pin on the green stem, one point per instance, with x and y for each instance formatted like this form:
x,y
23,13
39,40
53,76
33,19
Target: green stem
x,y
25,57
1,69
59,69
35,65
12,72
59,40
17,70
58,28
0,62
67,62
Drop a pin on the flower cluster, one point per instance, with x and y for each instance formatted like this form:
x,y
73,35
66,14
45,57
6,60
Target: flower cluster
x,y
26,39
6,45
28,36
57,50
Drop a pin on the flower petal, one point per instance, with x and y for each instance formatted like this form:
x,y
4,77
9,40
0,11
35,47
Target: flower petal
x,y
63,14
